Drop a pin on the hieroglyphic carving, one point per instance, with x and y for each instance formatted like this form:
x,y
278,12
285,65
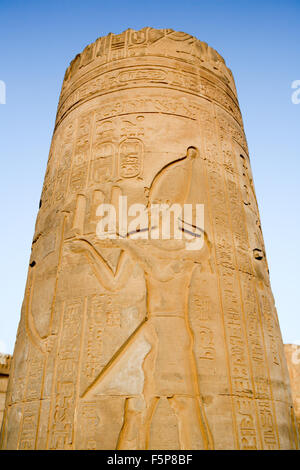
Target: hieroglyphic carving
x,y
149,41
155,103
64,163
29,423
255,336
130,158
117,153
148,77
241,388
270,325
78,174
63,408
90,422
103,163
119,337
50,176
202,318
94,337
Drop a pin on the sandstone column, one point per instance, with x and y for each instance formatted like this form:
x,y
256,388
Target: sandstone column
x,y
292,353
134,343
4,374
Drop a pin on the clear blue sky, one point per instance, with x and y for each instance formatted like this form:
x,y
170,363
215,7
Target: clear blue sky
x,y
260,41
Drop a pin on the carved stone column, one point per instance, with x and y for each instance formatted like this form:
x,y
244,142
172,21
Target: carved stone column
x,y
292,354
145,343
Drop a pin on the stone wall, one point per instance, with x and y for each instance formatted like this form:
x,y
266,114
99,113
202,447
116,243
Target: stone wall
x,y
292,352
4,375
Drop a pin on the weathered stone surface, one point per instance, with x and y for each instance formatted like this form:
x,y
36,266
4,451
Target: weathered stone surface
x,y
146,343
5,360
292,353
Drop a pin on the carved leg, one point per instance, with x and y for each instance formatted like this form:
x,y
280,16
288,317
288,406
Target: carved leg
x,y
137,419
193,433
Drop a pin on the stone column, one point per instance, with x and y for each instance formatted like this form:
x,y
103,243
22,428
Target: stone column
x,y
148,343
292,353
5,360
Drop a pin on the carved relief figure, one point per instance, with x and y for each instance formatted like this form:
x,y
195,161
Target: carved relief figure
x,y
143,341
169,365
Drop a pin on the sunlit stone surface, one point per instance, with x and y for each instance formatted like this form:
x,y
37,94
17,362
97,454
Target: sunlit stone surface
x,y
292,352
5,360
147,343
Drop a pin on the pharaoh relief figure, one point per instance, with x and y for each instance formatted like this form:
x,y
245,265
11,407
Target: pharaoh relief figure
x,y
169,367
161,332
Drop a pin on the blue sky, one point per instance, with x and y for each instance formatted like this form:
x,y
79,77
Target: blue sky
x,y
260,43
